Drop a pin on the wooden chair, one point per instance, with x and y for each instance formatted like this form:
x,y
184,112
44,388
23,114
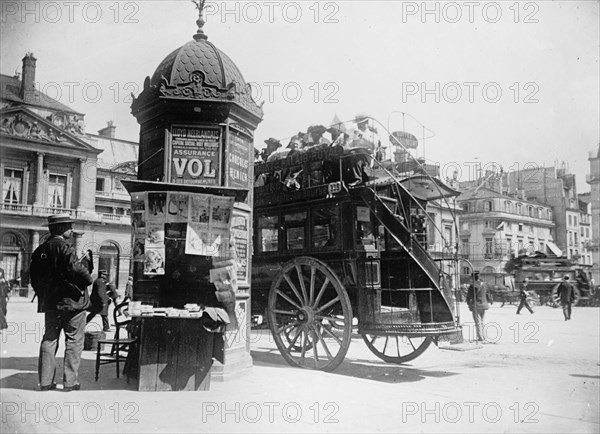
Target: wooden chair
x,y
117,344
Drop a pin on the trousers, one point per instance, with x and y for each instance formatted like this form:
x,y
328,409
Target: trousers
x,y
478,318
524,304
73,326
567,307
105,323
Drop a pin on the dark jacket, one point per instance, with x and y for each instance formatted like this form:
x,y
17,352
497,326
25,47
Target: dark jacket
x,y
102,293
477,296
59,281
565,292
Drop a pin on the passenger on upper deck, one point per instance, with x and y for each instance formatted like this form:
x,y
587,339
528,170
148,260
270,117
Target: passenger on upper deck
x,y
315,137
365,136
272,146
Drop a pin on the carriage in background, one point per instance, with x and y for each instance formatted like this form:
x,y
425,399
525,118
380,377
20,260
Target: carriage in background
x,y
333,252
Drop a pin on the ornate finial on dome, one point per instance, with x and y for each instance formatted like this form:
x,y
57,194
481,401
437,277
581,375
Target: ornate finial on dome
x,y
200,21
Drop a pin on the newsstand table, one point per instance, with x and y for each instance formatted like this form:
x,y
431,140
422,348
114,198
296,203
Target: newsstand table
x,y
175,353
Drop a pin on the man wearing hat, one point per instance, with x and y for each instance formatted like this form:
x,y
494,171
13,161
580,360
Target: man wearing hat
x,y
365,136
102,293
60,283
567,296
272,146
477,300
315,137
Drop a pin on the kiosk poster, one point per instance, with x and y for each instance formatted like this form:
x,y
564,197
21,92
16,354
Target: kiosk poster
x,y
200,209
195,155
238,160
138,213
208,226
156,209
177,207
154,263
239,237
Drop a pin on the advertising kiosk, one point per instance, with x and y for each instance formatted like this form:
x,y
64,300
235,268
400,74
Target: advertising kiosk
x,y
191,211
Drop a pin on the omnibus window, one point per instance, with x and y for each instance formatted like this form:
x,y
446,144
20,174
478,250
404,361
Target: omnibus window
x,y
364,227
295,230
268,233
325,227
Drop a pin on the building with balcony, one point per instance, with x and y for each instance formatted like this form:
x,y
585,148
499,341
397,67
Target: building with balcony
x,y
495,227
555,187
593,178
48,165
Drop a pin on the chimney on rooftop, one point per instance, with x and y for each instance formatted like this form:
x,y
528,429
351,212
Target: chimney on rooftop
x,y
109,130
28,78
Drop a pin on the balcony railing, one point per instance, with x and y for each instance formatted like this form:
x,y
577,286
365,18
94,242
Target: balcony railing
x,y
76,214
591,178
16,208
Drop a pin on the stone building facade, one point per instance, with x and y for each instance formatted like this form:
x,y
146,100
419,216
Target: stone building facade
x,y
48,165
494,227
593,178
554,187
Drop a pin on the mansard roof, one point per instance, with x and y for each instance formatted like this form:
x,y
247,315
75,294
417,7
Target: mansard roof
x,y
117,155
10,89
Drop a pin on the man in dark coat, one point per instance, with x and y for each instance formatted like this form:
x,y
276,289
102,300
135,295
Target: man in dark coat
x,y
477,300
102,293
60,283
524,294
567,297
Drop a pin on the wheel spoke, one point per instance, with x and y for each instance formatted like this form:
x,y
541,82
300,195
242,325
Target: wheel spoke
x,y
385,345
283,327
288,299
398,346
322,340
293,287
284,312
315,352
302,285
321,291
312,285
411,344
303,351
292,343
329,303
332,334
330,318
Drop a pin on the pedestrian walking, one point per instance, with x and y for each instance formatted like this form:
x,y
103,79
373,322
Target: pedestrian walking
x,y
4,296
60,283
477,300
567,297
129,288
524,294
102,293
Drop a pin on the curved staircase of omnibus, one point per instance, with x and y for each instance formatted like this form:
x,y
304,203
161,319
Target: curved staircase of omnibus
x,y
437,307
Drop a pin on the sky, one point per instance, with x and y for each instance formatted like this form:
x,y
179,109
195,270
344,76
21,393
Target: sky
x,y
510,84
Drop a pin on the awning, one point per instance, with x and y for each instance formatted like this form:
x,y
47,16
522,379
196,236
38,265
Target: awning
x,y
425,188
553,248
133,186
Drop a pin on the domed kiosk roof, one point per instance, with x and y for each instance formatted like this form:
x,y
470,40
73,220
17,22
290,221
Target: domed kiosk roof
x,y
200,71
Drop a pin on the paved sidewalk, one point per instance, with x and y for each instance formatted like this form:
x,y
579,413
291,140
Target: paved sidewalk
x,y
541,375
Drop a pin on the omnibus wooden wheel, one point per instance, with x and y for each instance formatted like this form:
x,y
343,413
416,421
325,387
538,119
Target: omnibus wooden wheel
x,y
396,349
305,299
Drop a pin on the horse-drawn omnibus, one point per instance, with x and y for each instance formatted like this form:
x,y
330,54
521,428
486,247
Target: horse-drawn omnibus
x,y
545,273
333,252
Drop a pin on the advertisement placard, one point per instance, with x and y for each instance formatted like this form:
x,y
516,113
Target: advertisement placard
x,y
238,159
196,155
